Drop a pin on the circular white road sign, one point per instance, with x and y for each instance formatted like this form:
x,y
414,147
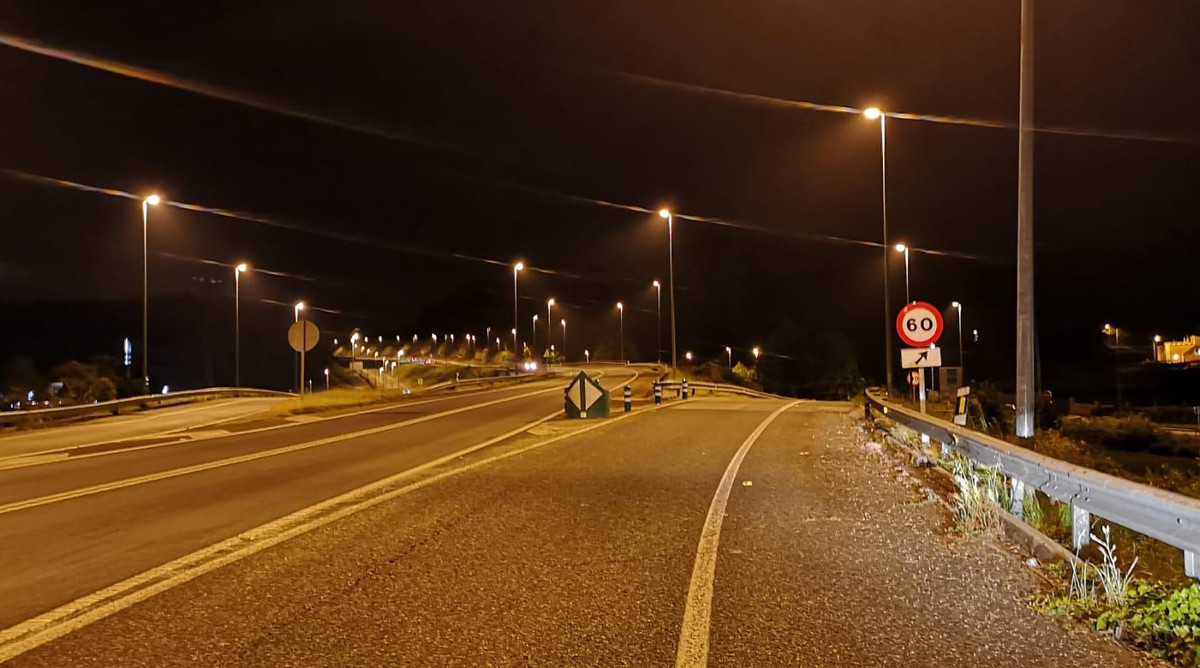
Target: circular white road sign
x,y
919,324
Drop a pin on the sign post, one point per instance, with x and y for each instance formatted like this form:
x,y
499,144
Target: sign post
x,y
303,336
920,325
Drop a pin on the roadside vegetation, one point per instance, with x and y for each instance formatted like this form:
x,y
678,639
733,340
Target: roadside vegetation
x,y
1122,584
355,390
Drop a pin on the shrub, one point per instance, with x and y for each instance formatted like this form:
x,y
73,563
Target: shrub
x,y
1132,434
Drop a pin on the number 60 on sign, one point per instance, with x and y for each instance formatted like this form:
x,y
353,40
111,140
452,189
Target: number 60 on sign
x,y
919,324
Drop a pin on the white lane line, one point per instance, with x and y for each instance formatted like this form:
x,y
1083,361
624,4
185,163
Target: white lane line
x,y
63,455
54,624
697,614
206,466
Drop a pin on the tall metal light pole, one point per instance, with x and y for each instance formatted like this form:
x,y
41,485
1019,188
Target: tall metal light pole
x,y
299,356
533,337
663,213
549,322
152,200
907,295
658,310
516,268
564,326
958,305
621,312
875,114
237,322
1025,399
729,353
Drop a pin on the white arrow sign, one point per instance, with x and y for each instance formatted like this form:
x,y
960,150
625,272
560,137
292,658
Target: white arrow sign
x,y
920,358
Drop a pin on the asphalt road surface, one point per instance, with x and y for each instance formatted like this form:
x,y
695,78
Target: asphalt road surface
x,y
480,530
147,424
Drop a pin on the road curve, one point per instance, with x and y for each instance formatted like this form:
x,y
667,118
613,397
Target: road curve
x,y
555,543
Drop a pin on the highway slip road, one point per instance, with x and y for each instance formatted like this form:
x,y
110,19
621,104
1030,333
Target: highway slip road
x,y
708,532
147,424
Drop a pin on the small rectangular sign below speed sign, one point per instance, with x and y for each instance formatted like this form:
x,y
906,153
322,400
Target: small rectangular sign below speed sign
x,y
920,358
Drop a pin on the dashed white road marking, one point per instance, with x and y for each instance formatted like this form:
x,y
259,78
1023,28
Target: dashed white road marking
x,y
697,613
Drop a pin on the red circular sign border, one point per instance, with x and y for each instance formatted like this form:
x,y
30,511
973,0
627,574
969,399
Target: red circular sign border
x,y
937,333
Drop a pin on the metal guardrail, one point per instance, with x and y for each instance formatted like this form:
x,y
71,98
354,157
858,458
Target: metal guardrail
x,y
117,405
1166,516
719,387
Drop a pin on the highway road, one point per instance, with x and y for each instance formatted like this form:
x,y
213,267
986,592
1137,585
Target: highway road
x,y
485,529
154,423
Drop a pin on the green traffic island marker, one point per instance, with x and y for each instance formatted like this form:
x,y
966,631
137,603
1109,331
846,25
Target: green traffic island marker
x,y
585,398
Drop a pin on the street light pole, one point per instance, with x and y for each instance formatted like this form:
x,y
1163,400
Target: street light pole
x,y
663,213
516,268
875,114
533,338
300,371
1025,399
907,295
549,322
961,367
729,353
621,313
564,326
152,200
658,311
237,322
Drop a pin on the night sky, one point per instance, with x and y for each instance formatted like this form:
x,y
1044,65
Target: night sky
x,y
397,157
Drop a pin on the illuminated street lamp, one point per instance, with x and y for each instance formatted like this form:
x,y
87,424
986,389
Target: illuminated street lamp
x,y
326,379
729,353
756,352
587,356
150,201
1115,332
621,312
658,311
516,269
958,305
663,213
533,339
296,309
873,114
549,323
904,249
688,356
564,326
237,322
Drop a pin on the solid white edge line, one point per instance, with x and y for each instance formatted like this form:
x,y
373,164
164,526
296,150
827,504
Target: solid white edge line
x,y
86,610
697,613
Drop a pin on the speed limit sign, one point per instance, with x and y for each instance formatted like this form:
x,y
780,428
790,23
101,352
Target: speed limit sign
x,y
919,324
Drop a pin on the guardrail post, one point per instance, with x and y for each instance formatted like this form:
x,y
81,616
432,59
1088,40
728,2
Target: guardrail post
x,y
657,393
1016,497
1081,527
1189,564
684,387
628,399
